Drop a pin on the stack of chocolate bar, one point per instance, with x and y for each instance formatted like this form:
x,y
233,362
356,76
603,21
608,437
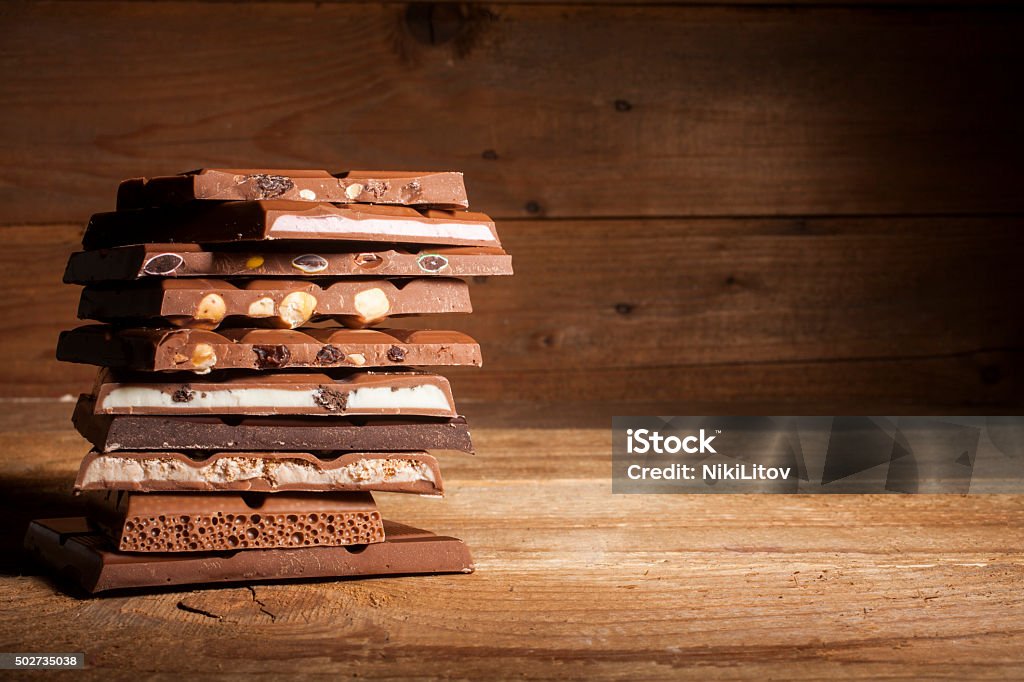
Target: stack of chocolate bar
x,y
246,411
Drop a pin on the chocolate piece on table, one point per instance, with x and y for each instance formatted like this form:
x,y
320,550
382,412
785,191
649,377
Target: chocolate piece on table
x,y
368,187
395,472
200,350
142,261
226,393
74,551
114,433
209,522
237,221
284,304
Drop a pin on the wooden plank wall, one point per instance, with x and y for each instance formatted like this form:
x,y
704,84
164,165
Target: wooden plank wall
x,y
731,203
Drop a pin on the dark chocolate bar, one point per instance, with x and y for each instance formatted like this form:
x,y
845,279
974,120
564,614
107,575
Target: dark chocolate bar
x,y
226,393
142,261
393,472
114,433
237,221
368,187
75,552
209,522
199,350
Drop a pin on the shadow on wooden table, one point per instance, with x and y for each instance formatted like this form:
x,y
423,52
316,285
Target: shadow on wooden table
x,y
23,499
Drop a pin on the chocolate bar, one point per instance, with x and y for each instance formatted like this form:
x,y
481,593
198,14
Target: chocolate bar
x,y
368,187
234,221
207,522
393,472
114,433
74,551
360,393
142,261
285,304
199,350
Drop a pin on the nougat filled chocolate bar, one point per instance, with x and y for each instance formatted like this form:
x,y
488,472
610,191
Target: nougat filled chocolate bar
x,y
268,472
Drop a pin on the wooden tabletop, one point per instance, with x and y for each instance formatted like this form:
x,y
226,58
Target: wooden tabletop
x,y
571,581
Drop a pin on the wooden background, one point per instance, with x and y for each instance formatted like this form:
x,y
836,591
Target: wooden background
x,y
794,205
797,207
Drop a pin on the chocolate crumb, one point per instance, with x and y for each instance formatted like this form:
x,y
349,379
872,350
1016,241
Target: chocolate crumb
x,y
270,186
184,394
396,354
329,355
412,189
377,188
330,399
271,356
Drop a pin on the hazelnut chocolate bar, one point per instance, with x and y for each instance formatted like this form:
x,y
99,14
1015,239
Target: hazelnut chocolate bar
x,y
269,472
285,304
70,548
142,261
361,393
200,350
209,522
235,221
114,433
367,187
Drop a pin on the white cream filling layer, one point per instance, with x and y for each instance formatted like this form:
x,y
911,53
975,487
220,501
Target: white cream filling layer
x,y
402,228
426,396
117,470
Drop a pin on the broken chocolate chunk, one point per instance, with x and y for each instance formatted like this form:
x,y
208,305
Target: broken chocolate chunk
x,y
271,356
184,394
271,186
378,188
396,354
328,355
330,399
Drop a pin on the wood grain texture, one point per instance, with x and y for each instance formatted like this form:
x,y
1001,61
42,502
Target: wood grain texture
x,y
572,581
840,312
561,111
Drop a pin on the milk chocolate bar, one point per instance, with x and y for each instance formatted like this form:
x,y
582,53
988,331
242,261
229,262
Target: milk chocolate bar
x,y
395,472
114,433
284,304
142,261
76,552
199,350
234,221
361,393
209,522
368,187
